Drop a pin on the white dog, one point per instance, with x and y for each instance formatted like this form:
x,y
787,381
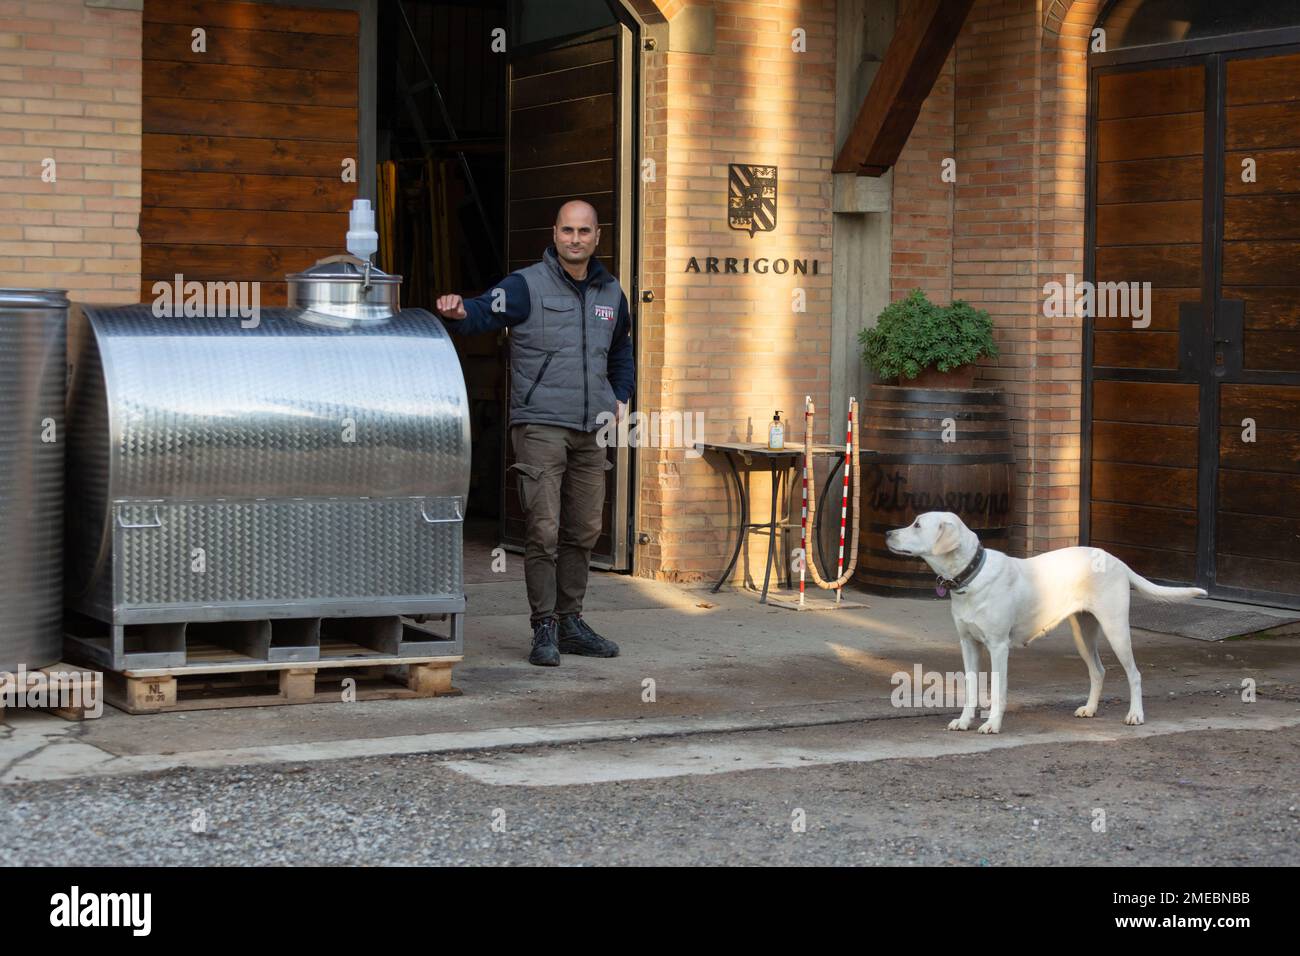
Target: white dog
x,y
998,599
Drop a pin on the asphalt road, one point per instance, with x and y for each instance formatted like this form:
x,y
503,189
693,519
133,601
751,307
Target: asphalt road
x,y
1178,798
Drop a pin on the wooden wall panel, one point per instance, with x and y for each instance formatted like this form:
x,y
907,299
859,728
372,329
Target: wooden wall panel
x,y
1151,93
1169,445
1273,449
253,16
1149,223
1151,137
210,190
1154,403
1265,79
1133,484
1150,180
1259,493
1276,171
1172,529
1163,316
277,157
268,50
1262,127
1135,349
244,143
222,81
1165,267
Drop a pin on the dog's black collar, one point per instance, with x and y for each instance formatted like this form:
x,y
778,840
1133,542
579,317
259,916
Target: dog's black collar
x,y
967,574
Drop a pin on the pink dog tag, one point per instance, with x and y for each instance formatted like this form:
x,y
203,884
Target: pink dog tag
x,y
940,590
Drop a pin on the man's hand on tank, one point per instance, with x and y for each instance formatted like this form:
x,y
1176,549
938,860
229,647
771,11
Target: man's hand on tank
x,y
451,307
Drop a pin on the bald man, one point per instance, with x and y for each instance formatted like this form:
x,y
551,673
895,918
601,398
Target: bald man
x,y
571,368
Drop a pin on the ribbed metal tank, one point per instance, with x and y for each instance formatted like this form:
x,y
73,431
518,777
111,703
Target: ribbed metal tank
x,y
33,372
302,466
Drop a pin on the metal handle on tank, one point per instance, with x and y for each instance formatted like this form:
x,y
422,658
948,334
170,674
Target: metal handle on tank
x,y
157,521
425,515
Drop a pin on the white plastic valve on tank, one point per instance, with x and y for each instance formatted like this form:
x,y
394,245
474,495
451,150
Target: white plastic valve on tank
x,y
363,241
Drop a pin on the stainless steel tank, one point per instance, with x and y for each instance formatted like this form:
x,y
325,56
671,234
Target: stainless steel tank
x,y
33,371
310,464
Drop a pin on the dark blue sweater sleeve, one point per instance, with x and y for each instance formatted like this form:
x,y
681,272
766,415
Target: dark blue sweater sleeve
x,y
514,306
622,362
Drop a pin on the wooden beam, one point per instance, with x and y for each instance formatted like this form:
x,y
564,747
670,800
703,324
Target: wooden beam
x,y
921,43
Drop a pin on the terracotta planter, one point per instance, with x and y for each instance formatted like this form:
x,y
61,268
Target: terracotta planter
x,y
961,377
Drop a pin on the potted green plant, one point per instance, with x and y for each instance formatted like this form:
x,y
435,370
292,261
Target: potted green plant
x,y
924,345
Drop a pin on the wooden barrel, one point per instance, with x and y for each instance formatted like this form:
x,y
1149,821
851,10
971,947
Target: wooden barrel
x,y
930,450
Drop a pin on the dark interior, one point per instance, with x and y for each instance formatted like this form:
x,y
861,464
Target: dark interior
x,y
441,133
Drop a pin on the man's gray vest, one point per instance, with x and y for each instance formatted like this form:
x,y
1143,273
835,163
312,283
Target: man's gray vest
x,y
559,355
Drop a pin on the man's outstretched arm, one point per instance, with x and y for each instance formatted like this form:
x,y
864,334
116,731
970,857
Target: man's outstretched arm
x,y
506,303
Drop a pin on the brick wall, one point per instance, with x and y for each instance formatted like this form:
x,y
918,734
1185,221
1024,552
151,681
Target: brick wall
x,y
1057,414
70,91
921,231
732,347
1018,105
994,222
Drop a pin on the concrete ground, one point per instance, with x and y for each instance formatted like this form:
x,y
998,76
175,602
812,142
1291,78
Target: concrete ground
x,y
759,717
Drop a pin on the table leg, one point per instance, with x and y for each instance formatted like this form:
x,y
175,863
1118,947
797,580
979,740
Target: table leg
x,y
783,565
771,534
744,523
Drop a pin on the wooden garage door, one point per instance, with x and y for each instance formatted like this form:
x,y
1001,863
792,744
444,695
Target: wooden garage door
x,y
1145,403
1257,540
244,141
1193,431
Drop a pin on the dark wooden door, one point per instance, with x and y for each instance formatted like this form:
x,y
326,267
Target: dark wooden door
x,y
569,138
1142,473
1192,426
1257,336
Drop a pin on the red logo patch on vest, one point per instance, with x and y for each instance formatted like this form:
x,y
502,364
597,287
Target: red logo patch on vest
x,y
605,312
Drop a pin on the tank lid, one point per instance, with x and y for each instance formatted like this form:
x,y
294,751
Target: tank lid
x,y
343,268
33,298
341,291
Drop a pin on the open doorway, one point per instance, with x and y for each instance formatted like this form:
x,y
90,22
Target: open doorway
x,y
490,115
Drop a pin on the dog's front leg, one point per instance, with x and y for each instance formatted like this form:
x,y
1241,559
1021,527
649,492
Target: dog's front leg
x,y
998,691
970,659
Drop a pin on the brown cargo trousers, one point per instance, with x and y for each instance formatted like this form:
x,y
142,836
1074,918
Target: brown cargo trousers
x,y
561,477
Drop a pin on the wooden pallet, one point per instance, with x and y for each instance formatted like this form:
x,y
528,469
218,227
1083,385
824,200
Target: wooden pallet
x,y
84,684
221,684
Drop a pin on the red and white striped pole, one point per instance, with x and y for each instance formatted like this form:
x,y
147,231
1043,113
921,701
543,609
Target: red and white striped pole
x,y
844,501
803,518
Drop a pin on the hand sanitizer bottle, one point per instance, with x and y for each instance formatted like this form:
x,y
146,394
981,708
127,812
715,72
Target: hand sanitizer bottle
x,y
776,433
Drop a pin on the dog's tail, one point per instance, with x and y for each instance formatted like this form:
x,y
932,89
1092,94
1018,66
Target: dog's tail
x,y
1159,592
